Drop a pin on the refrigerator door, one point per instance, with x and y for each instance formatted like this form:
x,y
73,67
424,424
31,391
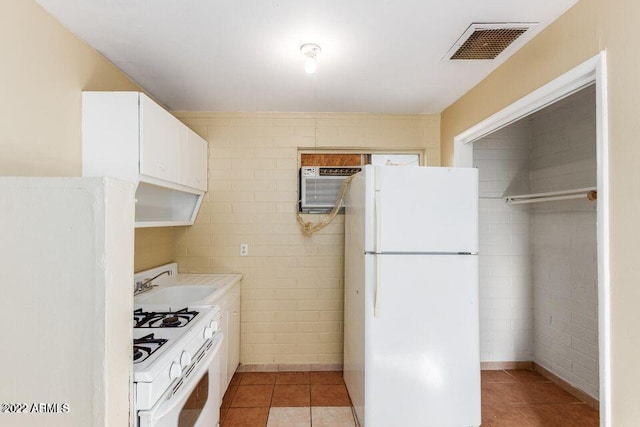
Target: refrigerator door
x,y
422,365
423,210
357,267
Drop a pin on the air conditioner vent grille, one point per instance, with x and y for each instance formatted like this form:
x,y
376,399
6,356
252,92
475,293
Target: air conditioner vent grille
x,y
487,40
339,171
487,44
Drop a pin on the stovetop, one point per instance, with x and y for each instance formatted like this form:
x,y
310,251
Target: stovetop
x,y
163,319
145,346
158,326
161,334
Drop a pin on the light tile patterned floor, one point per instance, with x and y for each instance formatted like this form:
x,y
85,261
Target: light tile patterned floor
x,y
294,417
316,416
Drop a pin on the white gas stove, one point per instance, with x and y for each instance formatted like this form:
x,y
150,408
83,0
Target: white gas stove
x,y
174,352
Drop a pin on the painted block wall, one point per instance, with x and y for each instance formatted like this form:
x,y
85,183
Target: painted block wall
x,y
563,237
506,295
292,290
538,263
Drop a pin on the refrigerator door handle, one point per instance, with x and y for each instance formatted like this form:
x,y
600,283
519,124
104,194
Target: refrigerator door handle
x,y
378,238
378,211
376,297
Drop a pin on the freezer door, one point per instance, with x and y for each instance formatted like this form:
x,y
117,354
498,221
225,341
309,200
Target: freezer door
x,y
354,327
425,209
422,365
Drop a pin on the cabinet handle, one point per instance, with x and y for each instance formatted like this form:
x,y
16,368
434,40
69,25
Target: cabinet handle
x,y
235,294
235,312
162,167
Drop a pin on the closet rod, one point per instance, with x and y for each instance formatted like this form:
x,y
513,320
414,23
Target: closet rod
x,y
590,193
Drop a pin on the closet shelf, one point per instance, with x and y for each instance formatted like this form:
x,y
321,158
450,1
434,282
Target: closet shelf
x,y
589,193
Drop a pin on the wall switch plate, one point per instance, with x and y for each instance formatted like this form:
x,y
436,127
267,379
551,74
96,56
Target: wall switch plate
x,y
244,249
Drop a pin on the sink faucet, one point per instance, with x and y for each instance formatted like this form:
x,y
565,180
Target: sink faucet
x,y
145,285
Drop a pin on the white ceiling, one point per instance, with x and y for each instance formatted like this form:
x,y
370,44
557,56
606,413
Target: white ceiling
x,y
379,56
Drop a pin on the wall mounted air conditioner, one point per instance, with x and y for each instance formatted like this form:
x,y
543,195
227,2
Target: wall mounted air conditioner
x,y
320,186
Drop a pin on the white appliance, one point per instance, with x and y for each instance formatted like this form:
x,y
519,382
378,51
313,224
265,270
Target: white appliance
x,y
395,159
411,328
320,186
177,365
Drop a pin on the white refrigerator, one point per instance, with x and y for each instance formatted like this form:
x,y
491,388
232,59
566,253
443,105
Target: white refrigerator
x,y
411,333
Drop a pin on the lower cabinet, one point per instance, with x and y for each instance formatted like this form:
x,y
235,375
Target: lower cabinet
x,y
233,343
229,304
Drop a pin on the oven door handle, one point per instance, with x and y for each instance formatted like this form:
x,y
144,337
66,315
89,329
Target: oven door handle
x,y
168,400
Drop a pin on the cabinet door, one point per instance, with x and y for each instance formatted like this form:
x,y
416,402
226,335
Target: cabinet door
x,y
223,303
159,141
233,349
193,160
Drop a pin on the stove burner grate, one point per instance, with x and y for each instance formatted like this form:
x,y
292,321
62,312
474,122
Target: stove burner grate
x,y
145,347
163,319
138,352
171,321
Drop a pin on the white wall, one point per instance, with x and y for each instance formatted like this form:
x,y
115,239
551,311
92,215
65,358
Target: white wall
x,y
66,286
506,297
564,242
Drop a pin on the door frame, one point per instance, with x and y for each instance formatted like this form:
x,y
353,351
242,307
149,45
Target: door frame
x,y
591,71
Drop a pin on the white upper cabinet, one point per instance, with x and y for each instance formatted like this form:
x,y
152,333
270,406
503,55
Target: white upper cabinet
x,y
160,142
193,160
169,150
127,135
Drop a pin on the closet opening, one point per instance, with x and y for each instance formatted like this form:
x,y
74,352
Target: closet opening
x,y
543,254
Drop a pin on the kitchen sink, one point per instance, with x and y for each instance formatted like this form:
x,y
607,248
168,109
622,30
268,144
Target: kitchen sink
x,y
177,296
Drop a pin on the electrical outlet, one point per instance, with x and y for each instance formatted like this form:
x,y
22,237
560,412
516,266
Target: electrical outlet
x,y
244,249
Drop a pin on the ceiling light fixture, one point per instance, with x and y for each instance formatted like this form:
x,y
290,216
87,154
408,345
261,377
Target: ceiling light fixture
x,y
310,51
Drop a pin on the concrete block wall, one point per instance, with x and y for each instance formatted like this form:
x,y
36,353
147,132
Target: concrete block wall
x,y
538,263
564,264
506,296
292,291
563,144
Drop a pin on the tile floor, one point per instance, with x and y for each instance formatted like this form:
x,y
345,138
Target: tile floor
x,y
522,398
291,399
510,398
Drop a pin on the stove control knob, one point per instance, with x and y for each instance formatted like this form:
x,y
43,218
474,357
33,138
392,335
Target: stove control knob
x,y
213,325
175,371
185,359
208,333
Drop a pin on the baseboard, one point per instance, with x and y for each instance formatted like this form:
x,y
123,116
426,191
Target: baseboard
x,y
289,367
498,366
586,398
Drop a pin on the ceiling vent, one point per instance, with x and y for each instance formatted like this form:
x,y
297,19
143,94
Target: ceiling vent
x,y
486,41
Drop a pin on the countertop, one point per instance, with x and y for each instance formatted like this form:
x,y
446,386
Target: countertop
x,y
222,282
215,280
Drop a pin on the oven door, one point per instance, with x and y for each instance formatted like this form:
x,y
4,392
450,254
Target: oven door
x,y
193,400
